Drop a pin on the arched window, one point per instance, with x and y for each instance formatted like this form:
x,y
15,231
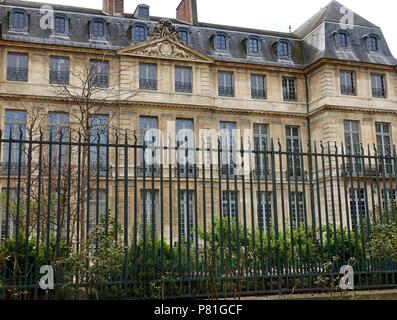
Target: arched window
x,y
139,33
98,30
184,36
283,49
253,46
372,43
18,20
341,40
221,42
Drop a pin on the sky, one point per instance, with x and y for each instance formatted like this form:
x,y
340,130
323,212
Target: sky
x,y
265,14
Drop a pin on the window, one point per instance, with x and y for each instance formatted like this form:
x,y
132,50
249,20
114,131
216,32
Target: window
x,y
59,70
289,89
378,84
347,83
18,21
98,134
98,30
297,209
294,156
185,140
143,12
61,26
184,36
148,76
283,50
258,86
139,33
261,146
15,122
97,210
353,146
149,156
252,46
187,217
225,84
389,201
228,140
58,125
358,206
149,211
99,73
264,209
7,223
341,40
17,67
221,42
372,43
183,79
229,204
384,147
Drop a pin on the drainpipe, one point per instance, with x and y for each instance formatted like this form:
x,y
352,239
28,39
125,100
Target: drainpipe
x,y
307,110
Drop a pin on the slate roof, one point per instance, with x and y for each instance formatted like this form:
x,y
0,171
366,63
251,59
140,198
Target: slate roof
x,y
312,41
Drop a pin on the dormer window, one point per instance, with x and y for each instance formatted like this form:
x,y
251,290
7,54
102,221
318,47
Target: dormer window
x,y
252,46
283,50
372,43
98,30
221,42
139,33
184,36
18,21
341,40
61,26
142,12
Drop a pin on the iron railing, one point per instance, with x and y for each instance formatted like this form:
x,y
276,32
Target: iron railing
x,y
17,74
148,84
251,232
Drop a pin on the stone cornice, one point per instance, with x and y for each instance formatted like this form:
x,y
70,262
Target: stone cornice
x,y
121,103
325,108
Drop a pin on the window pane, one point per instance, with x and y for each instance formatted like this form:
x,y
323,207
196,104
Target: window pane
x,y
139,33
225,82
184,37
17,67
60,25
183,79
59,70
289,89
99,73
14,128
258,87
148,76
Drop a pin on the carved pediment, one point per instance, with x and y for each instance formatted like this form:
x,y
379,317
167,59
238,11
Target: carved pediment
x,y
165,48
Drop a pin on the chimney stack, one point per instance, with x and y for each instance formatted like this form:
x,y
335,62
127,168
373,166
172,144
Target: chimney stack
x,y
113,7
187,12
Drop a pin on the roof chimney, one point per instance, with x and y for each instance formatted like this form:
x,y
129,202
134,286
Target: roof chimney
x,y
113,7
187,12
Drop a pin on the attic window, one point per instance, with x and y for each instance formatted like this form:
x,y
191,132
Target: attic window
x,y
372,43
61,26
221,42
18,21
139,33
252,46
143,12
283,50
184,36
341,40
98,30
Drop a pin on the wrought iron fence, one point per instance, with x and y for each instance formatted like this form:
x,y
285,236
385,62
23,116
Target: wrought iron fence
x,y
117,227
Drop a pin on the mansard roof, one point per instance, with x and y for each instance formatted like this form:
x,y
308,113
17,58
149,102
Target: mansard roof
x,y
314,40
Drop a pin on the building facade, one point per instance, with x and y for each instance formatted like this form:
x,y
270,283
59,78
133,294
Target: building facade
x,y
327,81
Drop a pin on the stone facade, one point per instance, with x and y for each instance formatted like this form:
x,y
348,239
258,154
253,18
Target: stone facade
x,y
319,109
